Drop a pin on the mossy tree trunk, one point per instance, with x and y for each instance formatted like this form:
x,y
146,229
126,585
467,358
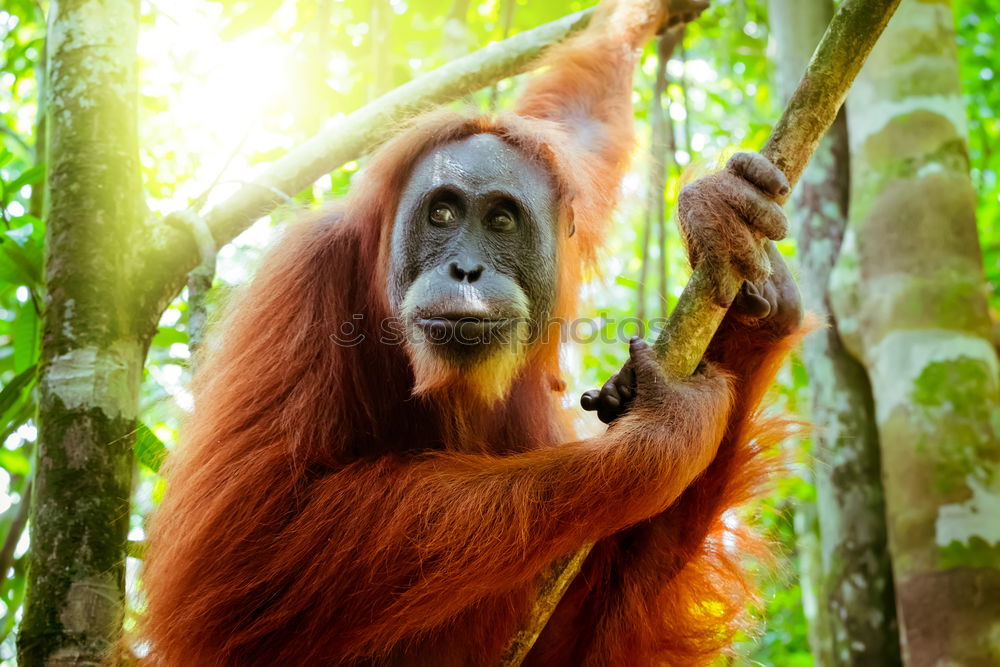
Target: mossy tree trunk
x,y
910,301
853,619
93,347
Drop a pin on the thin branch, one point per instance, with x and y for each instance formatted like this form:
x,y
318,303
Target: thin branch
x,y
199,285
355,134
659,153
200,200
199,279
662,147
507,21
25,146
686,102
174,252
15,532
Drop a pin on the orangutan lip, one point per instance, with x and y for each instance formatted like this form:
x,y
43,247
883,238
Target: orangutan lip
x,y
460,317
455,320
465,329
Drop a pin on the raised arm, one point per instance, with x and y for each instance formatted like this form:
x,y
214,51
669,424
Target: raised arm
x,y
588,81
584,98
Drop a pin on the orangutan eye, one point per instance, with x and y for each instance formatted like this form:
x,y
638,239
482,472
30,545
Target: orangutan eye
x,y
442,214
502,221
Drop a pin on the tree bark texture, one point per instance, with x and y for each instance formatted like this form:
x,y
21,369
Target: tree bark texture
x,y
854,619
909,295
92,349
680,346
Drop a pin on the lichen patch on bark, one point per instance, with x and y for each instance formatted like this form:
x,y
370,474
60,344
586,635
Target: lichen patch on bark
x,y
94,602
106,378
894,371
979,516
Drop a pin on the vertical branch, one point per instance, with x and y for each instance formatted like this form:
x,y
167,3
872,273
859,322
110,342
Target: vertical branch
x,y
199,284
37,203
660,145
17,526
683,84
665,149
380,53
647,226
199,280
507,21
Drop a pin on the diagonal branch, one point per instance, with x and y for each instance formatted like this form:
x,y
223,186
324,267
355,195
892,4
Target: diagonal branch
x,y
174,251
357,133
683,342
811,110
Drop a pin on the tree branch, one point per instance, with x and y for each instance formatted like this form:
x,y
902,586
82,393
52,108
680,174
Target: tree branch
x,y
809,113
17,525
357,133
174,252
661,149
682,343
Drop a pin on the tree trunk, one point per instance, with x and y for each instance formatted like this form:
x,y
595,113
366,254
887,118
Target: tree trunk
x,y
92,348
854,621
909,297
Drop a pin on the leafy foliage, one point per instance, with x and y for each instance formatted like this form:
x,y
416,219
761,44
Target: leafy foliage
x,y
21,289
977,48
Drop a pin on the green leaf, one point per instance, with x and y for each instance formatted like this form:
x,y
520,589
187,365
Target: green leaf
x,y
149,449
15,392
10,273
25,331
24,254
17,417
15,462
167,336
136,549
26,231
30,176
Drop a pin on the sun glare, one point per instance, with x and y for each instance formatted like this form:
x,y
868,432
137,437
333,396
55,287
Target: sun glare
x,y
219,101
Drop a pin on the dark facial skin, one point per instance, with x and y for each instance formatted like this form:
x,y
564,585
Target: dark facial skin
x,y
473,248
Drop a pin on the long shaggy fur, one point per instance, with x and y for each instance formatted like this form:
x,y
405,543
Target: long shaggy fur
x,y
318,512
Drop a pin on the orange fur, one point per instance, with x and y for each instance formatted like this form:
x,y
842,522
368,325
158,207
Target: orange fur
x,y
318,512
